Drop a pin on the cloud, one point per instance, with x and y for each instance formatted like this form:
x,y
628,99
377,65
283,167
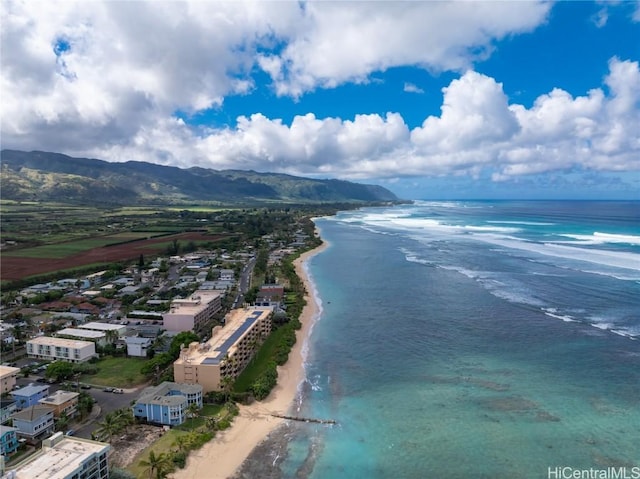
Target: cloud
x,y
340,42
478,133
411,88
105,79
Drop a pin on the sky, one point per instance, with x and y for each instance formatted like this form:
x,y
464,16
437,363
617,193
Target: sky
x,y
430,99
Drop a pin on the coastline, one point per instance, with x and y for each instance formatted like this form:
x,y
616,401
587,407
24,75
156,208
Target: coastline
x,y
221,457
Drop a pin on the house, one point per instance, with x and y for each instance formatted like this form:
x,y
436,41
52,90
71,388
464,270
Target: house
x,y
8,440
167,403
29,395
34,423
65,457
8,377
62,402
7,408
138,346
227,275
75,351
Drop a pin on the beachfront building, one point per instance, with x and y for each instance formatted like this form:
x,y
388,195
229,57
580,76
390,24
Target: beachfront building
x,y
167,403
62,402
29,395
65,457
227,352
98,337
34,423
72,350
193,312
8,377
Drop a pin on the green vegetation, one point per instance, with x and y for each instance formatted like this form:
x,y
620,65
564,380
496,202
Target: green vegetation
x,y
118,372
170,451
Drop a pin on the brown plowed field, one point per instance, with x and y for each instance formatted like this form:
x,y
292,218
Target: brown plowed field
x,y
12,268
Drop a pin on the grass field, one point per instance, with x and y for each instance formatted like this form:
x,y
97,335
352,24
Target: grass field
x,y
70,248
118,372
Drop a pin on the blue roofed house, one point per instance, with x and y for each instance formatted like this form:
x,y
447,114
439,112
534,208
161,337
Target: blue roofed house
x,y
167,403
29,395
34,423
8,440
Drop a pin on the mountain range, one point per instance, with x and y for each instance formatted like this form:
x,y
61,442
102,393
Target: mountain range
x,y
54,177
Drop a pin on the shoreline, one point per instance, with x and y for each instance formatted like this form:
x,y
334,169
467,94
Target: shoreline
x,y
223,456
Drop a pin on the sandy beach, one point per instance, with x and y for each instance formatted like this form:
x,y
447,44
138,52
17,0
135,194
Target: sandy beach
x,y
220,458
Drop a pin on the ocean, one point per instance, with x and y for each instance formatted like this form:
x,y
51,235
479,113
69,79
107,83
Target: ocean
x,y
489,339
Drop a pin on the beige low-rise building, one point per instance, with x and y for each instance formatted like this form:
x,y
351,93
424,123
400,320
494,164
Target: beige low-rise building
x,y
62,402
190,314
8,377
227,352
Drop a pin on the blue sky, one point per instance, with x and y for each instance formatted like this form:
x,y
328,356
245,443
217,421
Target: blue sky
x,y
429,99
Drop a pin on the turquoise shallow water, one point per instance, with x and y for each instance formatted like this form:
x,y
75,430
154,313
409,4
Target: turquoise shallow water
x,y
441,354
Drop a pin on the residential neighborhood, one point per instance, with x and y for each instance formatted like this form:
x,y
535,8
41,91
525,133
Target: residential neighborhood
x,y
55,335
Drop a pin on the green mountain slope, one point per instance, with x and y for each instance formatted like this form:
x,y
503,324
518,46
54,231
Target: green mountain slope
x,y
43,176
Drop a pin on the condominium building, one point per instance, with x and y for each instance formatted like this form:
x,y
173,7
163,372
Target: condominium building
x,y
64,457
227,353
193,312
46,347
8,377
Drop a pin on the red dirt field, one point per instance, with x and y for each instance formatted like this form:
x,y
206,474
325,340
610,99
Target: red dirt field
x,y
18,268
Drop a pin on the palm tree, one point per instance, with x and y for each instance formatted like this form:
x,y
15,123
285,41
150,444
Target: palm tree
x,y
192,411
109,426
160,465
227,385
62,422
124,417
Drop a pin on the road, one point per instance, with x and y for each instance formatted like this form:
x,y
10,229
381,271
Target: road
x,y
245,282
106,401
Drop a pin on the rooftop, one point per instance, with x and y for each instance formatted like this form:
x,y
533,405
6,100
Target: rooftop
x,y
33,412
59,397
101,326
59,460
83,333
30,390
194,303
8,371
65,343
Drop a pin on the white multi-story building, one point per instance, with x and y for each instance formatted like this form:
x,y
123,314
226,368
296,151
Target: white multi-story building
x,y
193,312
64,457
46,347
97,337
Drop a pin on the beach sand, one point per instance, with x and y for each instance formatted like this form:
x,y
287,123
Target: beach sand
x,y
222,457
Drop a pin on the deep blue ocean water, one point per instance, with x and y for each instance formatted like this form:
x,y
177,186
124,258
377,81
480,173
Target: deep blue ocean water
x,y
473,340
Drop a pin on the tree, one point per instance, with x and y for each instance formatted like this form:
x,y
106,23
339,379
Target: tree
x,y
141,262
193,411
62,422
158,466
60,370
109,426
124,417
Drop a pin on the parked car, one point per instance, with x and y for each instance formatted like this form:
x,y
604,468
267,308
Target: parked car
x,y
85,386
108,390
118,391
